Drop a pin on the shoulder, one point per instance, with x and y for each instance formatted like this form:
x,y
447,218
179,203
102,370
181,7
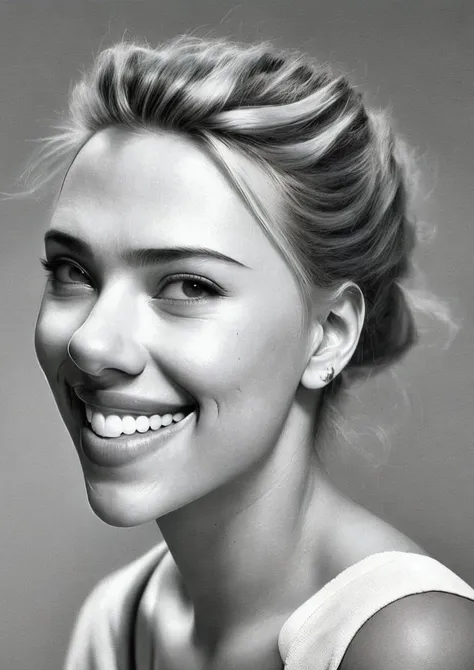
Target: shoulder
x,y
424,631
117,589
102,625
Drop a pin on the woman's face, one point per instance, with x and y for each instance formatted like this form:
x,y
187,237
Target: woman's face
x,y
209,321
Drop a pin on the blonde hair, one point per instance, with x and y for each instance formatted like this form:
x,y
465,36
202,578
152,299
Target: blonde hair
x,y
345,179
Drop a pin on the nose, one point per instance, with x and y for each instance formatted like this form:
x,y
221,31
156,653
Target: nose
x,y
108,338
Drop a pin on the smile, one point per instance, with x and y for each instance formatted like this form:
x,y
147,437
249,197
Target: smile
x,y
115,424
124,449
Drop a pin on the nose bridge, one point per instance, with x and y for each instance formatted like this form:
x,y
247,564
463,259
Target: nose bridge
x,y
108,338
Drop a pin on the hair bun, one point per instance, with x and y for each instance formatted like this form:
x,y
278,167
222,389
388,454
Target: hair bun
x,y
389,330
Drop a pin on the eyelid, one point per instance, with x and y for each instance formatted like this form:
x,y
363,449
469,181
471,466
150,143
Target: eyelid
x,y
51,264
175,278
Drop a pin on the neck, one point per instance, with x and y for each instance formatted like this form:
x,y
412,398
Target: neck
x,y
235,548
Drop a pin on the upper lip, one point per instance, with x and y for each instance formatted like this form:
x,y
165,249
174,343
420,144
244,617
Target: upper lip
x,y
110,401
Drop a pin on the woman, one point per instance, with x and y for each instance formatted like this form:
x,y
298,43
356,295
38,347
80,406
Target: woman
x,y
224,256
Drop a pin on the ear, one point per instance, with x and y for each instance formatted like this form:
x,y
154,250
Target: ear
x,y
335,337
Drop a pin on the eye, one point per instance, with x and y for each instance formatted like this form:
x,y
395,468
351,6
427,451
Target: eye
x,y
188,288
63,271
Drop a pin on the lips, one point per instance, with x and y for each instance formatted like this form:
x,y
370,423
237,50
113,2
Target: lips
x,y
127,449
109,402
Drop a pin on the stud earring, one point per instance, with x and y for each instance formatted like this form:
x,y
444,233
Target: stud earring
x,y
329,375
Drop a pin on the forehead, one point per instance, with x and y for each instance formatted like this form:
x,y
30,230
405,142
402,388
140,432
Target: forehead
x,y
138,190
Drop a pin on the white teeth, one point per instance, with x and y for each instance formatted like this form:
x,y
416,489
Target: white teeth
x,y
142,423
166,419
98,423
128,425
113,425
155,422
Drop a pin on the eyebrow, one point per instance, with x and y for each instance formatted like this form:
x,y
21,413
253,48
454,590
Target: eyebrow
x,y
140,257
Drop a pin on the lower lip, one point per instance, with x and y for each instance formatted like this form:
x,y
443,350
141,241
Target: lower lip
x,y
123,450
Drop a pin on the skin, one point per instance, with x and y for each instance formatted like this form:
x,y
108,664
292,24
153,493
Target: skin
x,y
244,477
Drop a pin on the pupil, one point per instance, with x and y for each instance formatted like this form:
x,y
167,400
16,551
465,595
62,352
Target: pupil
x,y
192,289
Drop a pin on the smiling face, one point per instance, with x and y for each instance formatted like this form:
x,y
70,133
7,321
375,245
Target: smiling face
x,y
218,328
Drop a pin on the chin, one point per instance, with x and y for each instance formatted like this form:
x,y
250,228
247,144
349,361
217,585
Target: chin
x,y
116,509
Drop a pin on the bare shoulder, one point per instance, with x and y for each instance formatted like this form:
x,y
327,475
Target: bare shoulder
x,y
425,631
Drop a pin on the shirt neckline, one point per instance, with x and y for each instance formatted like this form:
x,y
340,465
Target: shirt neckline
x,y
297,618
291,626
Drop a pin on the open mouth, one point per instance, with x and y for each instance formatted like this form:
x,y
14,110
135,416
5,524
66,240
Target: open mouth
x,y
114,425
109,447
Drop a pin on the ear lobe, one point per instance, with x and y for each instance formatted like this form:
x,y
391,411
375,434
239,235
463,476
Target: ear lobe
x,y
336,339
324,361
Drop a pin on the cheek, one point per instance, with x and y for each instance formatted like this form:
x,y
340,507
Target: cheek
x,y
241,360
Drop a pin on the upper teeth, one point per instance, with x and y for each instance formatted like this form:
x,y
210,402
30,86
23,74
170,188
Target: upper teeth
x,y
113,425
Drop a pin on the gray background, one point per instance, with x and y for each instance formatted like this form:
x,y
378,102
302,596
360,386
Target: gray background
x,y
415,56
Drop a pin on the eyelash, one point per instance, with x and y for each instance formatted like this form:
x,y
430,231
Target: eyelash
x,y
52,265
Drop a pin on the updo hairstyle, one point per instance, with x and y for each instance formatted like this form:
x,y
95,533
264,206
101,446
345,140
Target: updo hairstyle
x,y
343,176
